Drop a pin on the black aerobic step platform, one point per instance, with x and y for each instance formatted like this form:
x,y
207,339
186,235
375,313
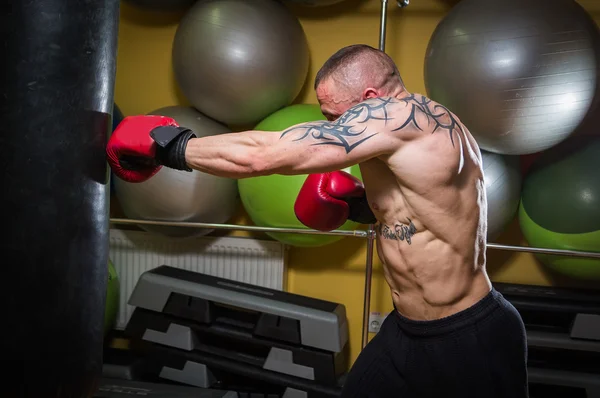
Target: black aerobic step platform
x,y
273,314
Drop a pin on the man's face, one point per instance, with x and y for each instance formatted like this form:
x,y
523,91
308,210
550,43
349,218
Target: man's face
x,y
334,100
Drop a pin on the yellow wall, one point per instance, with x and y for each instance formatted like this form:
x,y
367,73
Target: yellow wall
x,y
335,272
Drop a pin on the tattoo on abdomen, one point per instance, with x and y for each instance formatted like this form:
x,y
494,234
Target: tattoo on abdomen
x,y
401,232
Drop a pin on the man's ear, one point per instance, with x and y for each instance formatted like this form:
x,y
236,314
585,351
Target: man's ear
x,y
370,93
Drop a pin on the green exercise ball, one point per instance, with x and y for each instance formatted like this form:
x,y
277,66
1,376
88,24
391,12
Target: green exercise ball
x,y
112,298
269,200
560,206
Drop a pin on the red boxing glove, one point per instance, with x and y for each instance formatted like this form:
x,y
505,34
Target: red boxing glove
x,y
141,145
327,200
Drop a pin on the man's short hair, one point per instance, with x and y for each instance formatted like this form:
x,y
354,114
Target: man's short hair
x,y
345,56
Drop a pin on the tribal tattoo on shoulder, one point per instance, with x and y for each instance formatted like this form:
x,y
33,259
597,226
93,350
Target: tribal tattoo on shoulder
x,y
399,231
350,129
436,113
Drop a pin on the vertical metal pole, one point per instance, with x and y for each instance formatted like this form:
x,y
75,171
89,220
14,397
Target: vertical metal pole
x,y
383,25
368,278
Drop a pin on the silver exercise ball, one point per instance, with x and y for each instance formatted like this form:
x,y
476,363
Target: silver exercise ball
x,y
175,195
521,74
502,175
238,61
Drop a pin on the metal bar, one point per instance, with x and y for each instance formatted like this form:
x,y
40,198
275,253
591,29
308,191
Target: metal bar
x,y
355,233
539,250
368,280
383,25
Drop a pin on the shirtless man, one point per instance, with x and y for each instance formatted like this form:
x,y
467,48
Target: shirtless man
x,y
451,334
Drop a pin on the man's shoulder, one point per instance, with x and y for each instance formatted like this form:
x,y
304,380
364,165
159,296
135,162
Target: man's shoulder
x,y
398,114
384,109
402,104
411,112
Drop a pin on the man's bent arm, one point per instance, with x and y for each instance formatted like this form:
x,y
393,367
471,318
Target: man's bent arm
x,y
363,132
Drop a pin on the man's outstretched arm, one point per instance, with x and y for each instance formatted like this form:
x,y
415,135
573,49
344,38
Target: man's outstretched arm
x,y
142,144
362,133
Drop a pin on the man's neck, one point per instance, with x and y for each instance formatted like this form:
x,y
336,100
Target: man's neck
x,y
400,93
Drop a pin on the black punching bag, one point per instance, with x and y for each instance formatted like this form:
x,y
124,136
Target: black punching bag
x,y
60,61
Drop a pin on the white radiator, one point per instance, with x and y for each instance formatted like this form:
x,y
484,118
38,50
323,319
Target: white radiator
x,y
247,260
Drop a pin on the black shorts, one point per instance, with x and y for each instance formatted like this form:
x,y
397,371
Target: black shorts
x,y
480,352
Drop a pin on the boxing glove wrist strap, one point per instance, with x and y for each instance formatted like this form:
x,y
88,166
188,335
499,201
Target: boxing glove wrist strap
x,y
359,210
171,142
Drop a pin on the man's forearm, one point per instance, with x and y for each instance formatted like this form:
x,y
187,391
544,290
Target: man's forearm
x,y
231,155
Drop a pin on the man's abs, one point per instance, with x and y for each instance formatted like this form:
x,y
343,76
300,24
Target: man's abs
x,y
429,198
430,279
